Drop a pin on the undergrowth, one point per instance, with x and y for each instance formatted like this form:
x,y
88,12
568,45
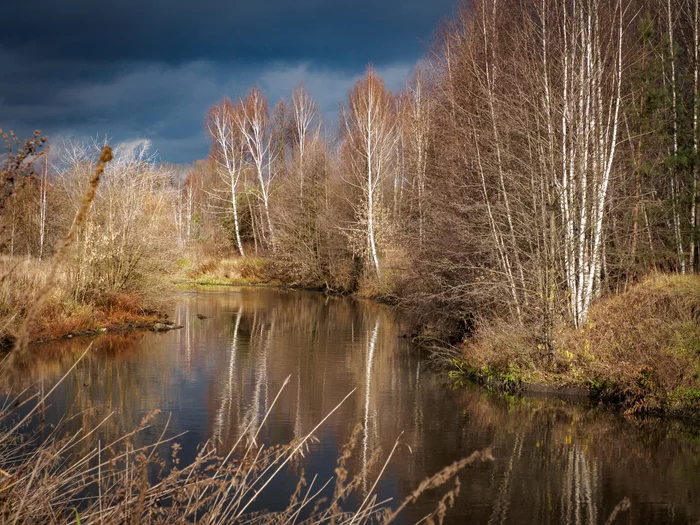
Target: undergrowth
x,y
639,350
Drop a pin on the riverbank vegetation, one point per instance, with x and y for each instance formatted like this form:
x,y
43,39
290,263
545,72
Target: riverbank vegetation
x,y
541,162
110,274
639,349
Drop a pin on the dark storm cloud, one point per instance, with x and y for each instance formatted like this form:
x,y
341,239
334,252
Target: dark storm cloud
x,y
133,69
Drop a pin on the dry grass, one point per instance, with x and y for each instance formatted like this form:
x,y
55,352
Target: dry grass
x,y
640,349
47,479
226,271
61,314
35,305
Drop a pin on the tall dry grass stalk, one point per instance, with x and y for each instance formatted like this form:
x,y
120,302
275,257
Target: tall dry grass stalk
x,y
50,480
34,308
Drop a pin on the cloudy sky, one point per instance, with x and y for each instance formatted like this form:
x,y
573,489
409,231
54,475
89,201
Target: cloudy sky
x,y
134,69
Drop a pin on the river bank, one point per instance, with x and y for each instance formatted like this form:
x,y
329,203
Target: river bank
x,y
639,351
67,312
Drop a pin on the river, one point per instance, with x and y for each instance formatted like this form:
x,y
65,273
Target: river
x,y
556,460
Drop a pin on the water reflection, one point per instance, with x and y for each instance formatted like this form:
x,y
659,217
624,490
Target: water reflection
x,y
556,462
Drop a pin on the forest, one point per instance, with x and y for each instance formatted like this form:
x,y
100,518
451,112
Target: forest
x,y
531,192
527,207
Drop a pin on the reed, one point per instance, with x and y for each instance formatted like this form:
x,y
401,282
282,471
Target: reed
x,y
52,480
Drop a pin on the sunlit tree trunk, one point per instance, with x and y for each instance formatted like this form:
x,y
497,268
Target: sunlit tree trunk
x,y
675,183
695,220
371,132
252,122
514,266
589,98
228,154
304,115
43,193
418,129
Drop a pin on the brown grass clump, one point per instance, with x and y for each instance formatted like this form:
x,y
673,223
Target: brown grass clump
x,y
61,314
227,271
506,352
639,349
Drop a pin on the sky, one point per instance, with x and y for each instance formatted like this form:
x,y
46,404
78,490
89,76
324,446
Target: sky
x,y
148,69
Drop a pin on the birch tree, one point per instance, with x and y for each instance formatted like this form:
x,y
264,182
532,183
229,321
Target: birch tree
x,y
252,122
43,198
304,114
228,145
418,131
695,196
674,180
587,94
371,134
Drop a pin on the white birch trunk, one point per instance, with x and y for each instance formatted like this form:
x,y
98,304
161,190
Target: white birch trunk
x,y
675,186
229,158
694,220
253,125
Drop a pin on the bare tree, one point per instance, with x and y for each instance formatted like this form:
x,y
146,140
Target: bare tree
x,y
228,153
371,134
695,198
43,193
253,124
304,114
417,128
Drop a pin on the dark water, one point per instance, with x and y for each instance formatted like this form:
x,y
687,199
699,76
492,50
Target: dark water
x,y
555,461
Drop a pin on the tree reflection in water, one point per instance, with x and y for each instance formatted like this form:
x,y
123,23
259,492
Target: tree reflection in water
x,y
556,461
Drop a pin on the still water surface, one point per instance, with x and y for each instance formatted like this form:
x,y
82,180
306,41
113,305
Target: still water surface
x,y
556,461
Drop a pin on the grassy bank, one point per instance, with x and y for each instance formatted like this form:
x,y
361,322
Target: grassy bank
x,y
66,313
639,350
232,270
212,271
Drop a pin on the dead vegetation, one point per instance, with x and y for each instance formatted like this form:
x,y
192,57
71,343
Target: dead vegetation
x,y
639,349
212,271
46,478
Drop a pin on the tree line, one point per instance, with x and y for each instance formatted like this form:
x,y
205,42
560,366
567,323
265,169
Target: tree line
x,y
544,153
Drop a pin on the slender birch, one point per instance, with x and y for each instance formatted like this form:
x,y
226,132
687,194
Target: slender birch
x,y
418,130
43,192
253,124
227,152
304,114
372,135
694,212
675,183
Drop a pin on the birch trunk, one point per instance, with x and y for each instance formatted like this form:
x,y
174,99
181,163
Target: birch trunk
x,y
42,207
695,220
228,153
252,123
675,186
